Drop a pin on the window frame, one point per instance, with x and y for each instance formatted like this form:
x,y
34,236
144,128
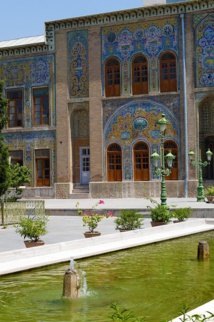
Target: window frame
x,y
142,86
16,159
16,107
167,82
113,89
41,112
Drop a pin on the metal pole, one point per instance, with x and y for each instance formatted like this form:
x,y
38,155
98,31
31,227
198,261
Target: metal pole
x,y
185,107
163,182
200,188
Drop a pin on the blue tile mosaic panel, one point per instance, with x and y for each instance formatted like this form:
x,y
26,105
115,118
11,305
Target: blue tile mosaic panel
x,y
204,50
78,63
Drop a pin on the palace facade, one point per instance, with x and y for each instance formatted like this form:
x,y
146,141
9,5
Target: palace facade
x,y
84,100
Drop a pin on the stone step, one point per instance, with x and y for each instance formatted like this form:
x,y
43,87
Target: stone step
x,y
79,195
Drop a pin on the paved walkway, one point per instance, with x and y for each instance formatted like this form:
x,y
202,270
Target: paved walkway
x,y
126,203
67,228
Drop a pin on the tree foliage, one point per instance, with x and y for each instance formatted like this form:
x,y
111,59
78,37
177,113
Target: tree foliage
x,y
20,175
5,174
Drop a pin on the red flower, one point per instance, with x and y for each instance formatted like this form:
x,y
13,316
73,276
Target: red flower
x,y
101,202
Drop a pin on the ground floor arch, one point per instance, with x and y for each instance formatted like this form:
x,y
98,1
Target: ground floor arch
x,y
206,133
141,161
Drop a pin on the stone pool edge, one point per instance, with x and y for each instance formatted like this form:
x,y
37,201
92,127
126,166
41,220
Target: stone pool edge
x,y
25,259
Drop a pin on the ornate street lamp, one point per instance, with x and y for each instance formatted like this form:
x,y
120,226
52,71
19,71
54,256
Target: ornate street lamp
x,y
163,122
200,164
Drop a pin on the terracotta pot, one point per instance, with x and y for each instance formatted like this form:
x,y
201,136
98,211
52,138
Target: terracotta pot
x,y
89,234
158,223
29,243
177,221
210,199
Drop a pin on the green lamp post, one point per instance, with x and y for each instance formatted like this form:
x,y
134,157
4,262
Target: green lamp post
x,y
200,164
163,171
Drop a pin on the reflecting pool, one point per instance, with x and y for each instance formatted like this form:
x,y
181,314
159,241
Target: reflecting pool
x,y
154,281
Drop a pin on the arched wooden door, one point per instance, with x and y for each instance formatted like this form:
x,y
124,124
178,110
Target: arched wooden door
x,y
114,162
141,162
206,134
209,144
172,146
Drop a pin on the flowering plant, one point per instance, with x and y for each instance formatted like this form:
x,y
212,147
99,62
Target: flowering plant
x,y
92,218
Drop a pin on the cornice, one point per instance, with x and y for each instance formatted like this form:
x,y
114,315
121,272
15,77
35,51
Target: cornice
x,y
24,50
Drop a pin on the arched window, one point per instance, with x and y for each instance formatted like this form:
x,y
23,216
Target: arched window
x,y
168,73
139,75
114,162
172,146
141,162
112,77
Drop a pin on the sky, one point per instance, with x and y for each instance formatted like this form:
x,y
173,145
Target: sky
x,y
26,18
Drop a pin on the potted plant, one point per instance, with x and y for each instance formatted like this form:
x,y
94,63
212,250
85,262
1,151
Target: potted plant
x,y
128,220
209,193
32,227
160,214
92,218
181,214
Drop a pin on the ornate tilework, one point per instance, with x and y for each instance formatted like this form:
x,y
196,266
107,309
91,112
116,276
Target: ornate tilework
x,y
28,142
26,73
204,44
150,38
129,121
78,63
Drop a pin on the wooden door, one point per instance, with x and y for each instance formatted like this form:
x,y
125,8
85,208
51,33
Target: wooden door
x,y
141,162
114,163
172,146
42,168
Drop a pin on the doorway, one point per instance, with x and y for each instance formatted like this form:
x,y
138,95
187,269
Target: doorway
x,y
84,165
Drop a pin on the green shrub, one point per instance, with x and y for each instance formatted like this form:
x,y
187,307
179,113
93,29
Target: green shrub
x,y
209,191
128,220
160,212
32,227
181,213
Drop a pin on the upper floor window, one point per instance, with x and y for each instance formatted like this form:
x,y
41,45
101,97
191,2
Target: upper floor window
x,y
139,75
16,157
41,106
112,77
15,107
168,72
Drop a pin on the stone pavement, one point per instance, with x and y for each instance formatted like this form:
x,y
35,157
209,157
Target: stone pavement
x,y
69,227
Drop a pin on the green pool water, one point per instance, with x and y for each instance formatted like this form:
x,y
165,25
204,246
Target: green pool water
x,y
154,281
